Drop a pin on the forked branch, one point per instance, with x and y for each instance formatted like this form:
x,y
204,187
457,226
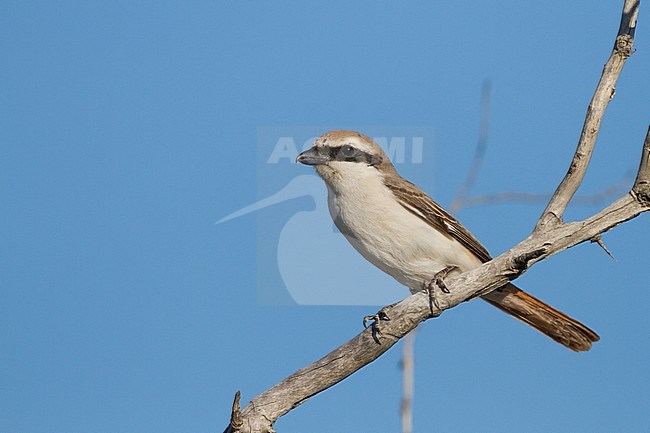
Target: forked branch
x,y
605,91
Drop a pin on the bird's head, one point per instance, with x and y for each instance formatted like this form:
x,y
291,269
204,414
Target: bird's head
x,y
346,156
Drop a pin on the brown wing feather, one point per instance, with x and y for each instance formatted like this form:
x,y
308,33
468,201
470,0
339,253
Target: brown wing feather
x,y
418,203
510,299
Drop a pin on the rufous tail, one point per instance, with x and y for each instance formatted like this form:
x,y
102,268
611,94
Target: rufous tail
x,y
543,317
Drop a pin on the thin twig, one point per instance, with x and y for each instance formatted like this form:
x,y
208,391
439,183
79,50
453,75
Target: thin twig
x,y
408,382
642,184
479,153
623,48
535,198
599,241
236,421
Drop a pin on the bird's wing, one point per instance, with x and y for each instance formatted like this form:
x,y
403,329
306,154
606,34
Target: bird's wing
x,y
418,203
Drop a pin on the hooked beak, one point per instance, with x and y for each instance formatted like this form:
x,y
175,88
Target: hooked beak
x,y
312,157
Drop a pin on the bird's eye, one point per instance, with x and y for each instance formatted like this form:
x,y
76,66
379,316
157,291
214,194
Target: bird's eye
x,y
348,151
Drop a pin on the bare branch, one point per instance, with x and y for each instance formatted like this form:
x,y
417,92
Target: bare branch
x,y
260,414
263,410
623,48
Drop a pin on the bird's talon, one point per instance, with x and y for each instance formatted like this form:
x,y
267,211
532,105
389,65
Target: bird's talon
x,y
438,280
376,319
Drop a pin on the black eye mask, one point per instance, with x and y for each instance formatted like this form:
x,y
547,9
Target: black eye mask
x,y
349,153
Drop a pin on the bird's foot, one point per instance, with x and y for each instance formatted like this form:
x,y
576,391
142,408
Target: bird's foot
x,y
438,280
376,319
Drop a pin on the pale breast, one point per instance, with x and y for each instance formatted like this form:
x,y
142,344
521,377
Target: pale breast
x,y
392,238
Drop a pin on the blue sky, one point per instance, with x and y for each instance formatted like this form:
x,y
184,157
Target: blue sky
x,y
128,128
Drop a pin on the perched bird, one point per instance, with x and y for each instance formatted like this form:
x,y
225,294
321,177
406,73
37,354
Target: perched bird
x,y
403,232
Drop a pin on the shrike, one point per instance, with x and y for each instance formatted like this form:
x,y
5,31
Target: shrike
x,y
403,232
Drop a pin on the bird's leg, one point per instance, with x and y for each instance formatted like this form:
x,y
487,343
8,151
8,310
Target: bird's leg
x,y
376,319
429,288
438,280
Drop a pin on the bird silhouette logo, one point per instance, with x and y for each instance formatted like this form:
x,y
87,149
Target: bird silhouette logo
x,y
315,263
